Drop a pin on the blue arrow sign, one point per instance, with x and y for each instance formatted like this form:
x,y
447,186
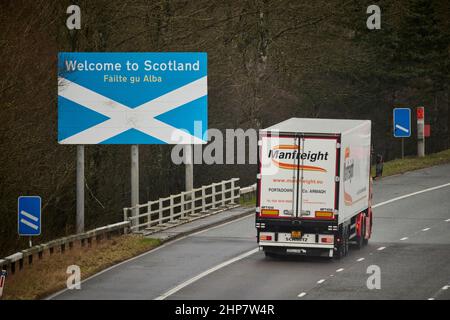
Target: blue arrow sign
x,y
402,122
29,215
132,98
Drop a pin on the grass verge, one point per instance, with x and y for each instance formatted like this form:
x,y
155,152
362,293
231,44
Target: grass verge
x,y
48,275
411,163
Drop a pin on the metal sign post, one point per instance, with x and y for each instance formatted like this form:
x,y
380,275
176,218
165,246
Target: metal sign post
x,y
403,148
189,173
420,131
135,181
80,189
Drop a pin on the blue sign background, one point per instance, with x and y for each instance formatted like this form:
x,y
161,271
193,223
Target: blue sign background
x,y
402,122
29,223
73,117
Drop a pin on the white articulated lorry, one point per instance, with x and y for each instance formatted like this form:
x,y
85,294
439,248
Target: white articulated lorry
x,y
314,187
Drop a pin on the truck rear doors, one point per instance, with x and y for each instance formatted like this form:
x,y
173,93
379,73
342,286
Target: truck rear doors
x,y
298,176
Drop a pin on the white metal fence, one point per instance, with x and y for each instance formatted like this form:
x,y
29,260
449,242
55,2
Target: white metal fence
x,y
196,202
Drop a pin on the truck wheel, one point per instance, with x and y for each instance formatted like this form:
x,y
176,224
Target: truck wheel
x,y
340,252
346,242
360,238
366,241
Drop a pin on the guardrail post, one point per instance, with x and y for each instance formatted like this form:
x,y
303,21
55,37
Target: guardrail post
x,y
223,185
149,214
232,194
192,201
125,218
160,210
182,205
171,208
213,198
203,199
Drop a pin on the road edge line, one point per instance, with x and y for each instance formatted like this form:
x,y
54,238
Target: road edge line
x,y
205,273
165,243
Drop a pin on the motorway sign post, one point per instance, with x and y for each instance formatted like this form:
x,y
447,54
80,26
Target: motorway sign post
x,y
420,112
402,125
130,98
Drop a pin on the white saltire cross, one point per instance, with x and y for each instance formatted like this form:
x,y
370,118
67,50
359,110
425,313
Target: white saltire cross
x,y
141,118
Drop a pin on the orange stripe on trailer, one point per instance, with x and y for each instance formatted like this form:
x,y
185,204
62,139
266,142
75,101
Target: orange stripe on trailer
x,y
286,147
294,166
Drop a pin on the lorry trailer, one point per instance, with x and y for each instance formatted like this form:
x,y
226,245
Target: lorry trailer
x,y
314,188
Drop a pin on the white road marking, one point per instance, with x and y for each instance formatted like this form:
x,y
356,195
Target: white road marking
x,y
340,269
218,226
448,220
410,195
430,298
445,287
205,273
426,229
30,216
301,295
360,259
151,251
321,281
404,238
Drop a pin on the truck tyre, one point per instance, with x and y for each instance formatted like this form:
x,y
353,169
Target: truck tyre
x,y
346,241
366,241
341,251
360,238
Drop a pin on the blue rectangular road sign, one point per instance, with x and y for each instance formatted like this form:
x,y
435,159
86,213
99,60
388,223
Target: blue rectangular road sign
x,y
402,122
132,98
29,215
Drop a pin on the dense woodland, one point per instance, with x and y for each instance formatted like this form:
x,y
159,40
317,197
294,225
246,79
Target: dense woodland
x,y
268,60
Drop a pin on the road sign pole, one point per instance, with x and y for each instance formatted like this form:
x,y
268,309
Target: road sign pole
x,y
420,132
189,174
189,167
403,148
80,189
135,181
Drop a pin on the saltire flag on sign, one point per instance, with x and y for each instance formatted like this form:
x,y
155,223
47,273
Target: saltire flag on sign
x,y
132,98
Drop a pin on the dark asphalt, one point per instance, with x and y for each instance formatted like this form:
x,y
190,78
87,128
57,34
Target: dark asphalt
x,y
413,268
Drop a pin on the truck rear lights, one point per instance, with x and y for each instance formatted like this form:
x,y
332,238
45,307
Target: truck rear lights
x,y
265,238
324,214
270,212
326,239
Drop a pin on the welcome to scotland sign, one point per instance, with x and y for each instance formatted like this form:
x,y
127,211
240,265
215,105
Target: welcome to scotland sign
x,y
132,98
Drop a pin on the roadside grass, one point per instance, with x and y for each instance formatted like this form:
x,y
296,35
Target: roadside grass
x,y
48,275
411,163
